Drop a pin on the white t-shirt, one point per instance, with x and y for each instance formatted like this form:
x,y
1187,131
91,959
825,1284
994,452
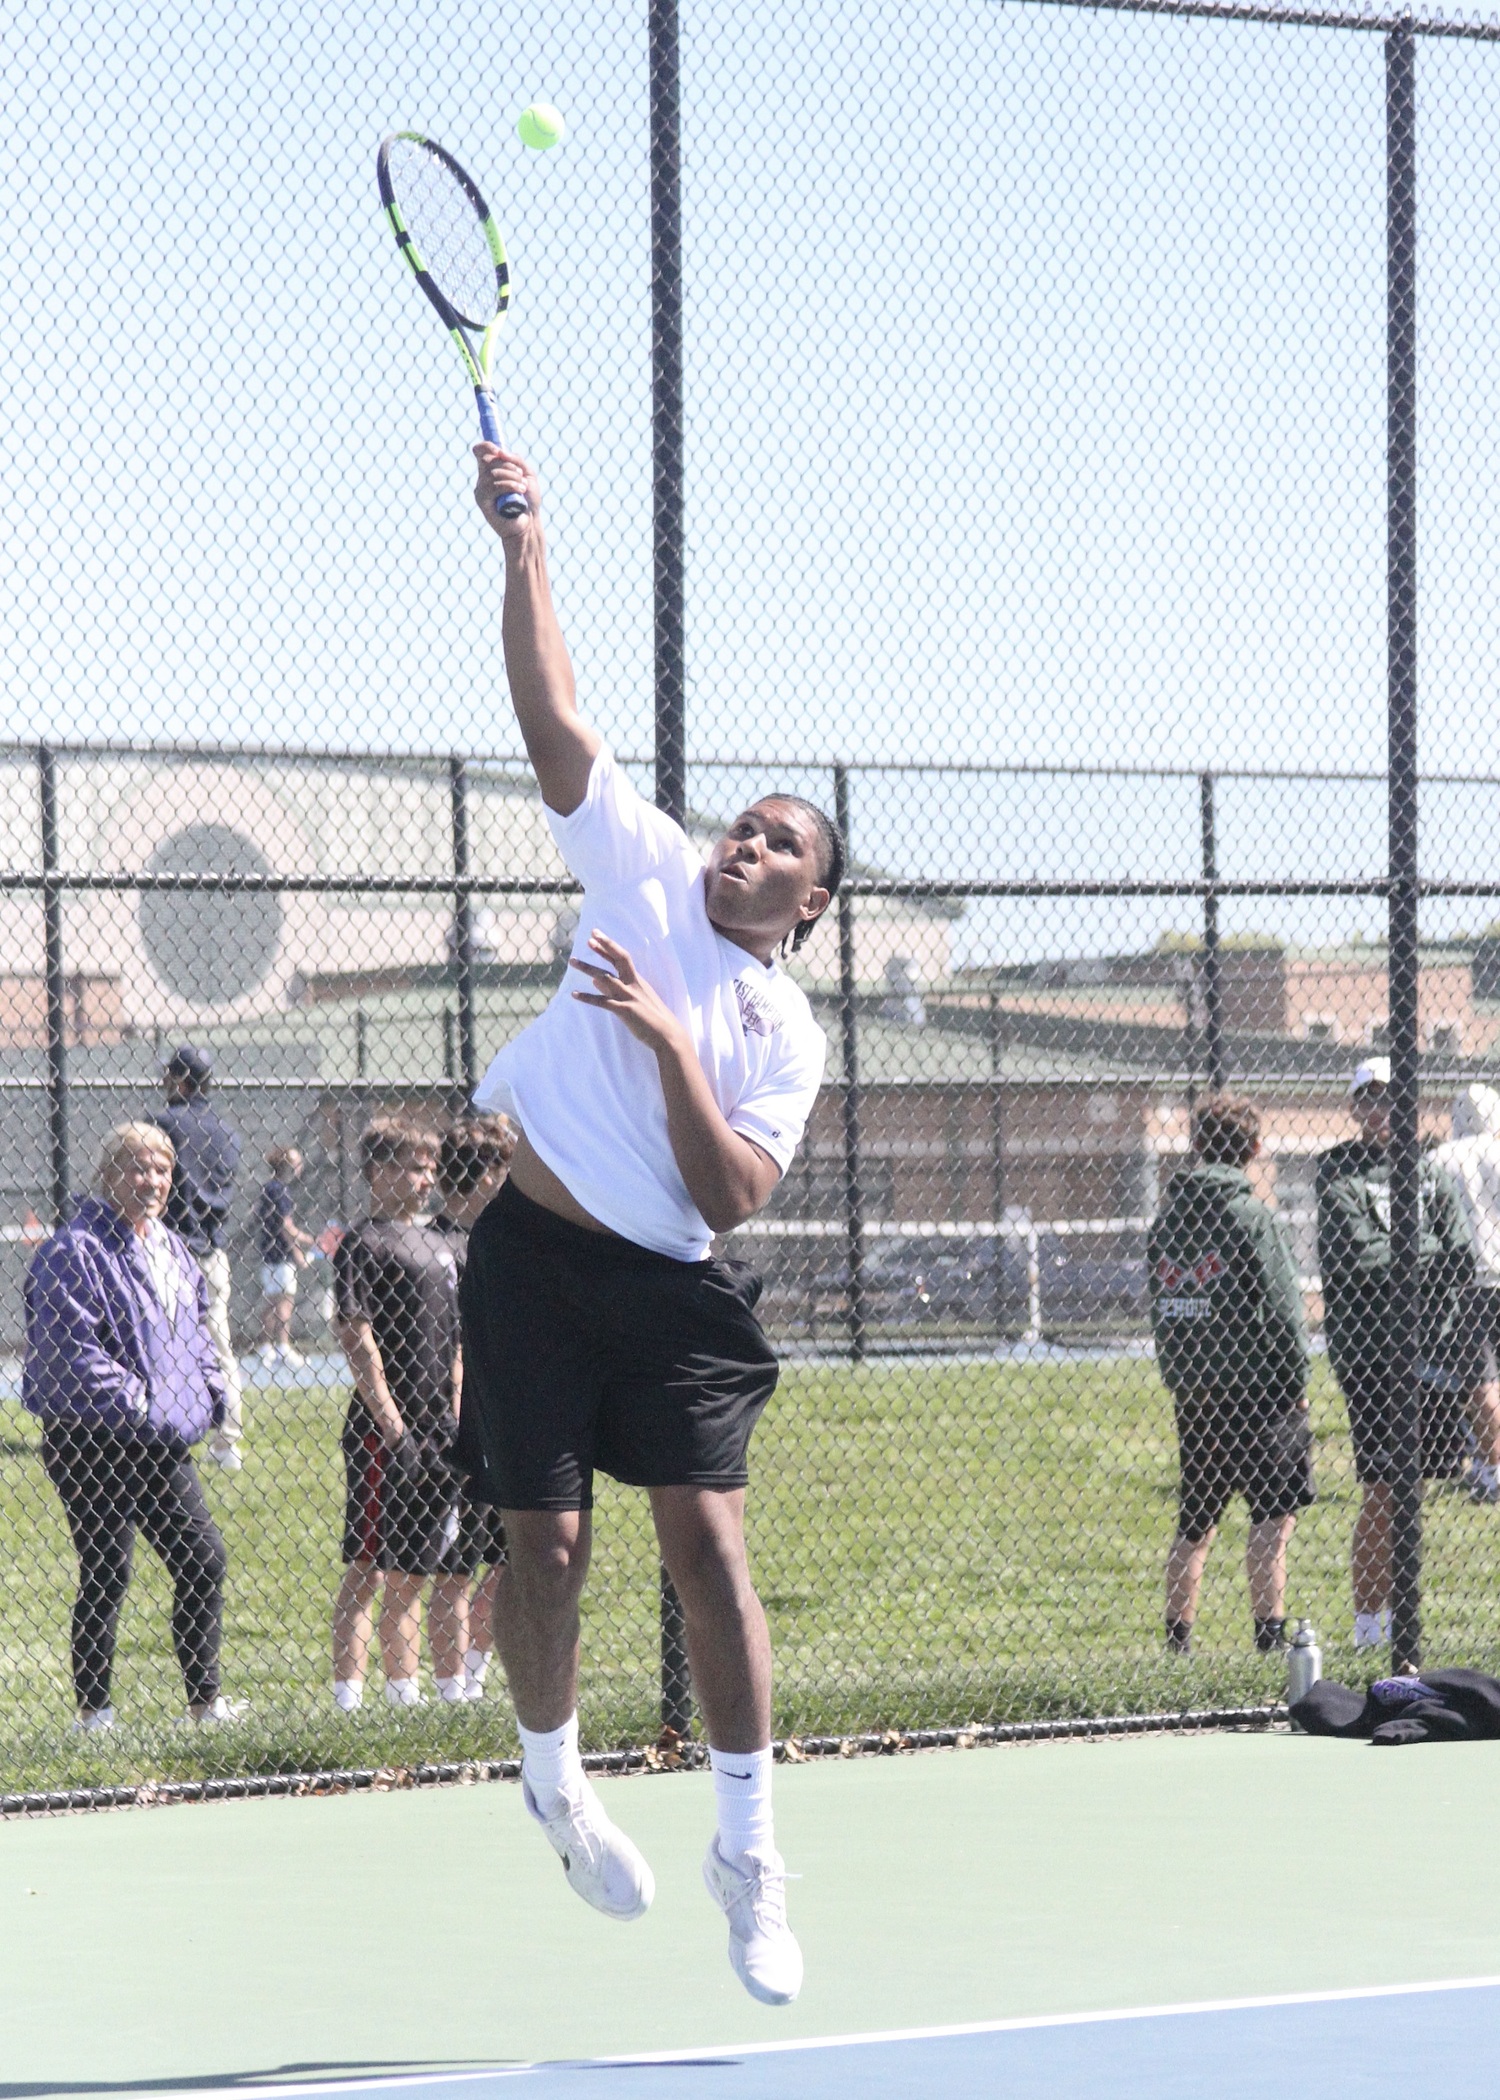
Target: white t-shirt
x,y
587,1094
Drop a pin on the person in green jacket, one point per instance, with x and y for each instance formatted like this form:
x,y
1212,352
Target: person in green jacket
x,y
1231,1346
1354,1253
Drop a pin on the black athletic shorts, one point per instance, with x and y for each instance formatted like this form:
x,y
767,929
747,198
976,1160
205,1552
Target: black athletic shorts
x,y
1228,1447
1372,1427
481,1539
401,1508
584,1351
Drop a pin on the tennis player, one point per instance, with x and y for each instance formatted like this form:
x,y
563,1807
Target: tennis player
x,y
660,1097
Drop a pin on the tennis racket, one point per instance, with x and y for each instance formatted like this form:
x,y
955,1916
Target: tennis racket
x,y
444,229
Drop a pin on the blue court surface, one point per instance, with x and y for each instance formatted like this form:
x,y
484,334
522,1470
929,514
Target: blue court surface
x,y
1237,1917
1432,2042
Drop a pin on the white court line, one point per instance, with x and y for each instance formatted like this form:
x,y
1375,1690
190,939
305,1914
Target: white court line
x,y
709,2050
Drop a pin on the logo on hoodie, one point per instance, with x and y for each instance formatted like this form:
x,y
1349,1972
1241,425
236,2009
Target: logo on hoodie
x,y
1181,1286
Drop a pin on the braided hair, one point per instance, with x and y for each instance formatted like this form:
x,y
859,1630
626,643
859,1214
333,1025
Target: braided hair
x,y
831,858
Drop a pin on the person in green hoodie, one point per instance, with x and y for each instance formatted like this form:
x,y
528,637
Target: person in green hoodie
x,y
1354,1253
1231,1346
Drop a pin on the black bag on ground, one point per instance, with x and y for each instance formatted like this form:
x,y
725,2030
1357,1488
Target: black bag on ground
x,y
1441,1706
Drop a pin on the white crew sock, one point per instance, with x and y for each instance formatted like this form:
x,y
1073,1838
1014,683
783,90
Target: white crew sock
x,y
550,1763
451,1690
348,1694
402,1691
476,1662
1371,1628
742,1796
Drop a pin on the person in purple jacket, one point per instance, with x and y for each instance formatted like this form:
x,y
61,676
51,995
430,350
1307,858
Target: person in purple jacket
x,y
122,1370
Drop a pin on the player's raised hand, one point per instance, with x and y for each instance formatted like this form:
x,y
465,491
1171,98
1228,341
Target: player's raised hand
x,y
621,992
502,474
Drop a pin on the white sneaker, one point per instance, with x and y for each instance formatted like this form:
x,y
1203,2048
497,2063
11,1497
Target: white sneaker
x,y
294,1357
227,1456
266,1354
601,1863
98,1722
216,1715
762,1950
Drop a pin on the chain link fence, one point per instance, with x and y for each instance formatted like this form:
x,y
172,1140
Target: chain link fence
x,y
1054,440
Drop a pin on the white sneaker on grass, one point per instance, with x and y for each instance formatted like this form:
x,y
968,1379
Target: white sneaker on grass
x,y
217,1715
762,1950
99,1721
227,1456
601,1863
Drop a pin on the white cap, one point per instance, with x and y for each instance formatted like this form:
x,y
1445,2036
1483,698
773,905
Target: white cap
x,y
1375,1071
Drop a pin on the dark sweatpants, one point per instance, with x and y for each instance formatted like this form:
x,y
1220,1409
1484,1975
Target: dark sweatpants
x,y
113,1483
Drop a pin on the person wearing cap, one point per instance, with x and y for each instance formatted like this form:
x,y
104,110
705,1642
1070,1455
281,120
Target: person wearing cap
x,y
1472,1157
207,1156
1354,1253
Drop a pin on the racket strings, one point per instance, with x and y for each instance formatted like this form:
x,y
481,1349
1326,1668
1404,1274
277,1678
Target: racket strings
x,y
446,230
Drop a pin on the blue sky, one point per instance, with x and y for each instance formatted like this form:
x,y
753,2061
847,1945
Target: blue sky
x,y
1035,405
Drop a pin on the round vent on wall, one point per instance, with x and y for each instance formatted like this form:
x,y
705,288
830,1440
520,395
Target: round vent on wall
x,y
210,946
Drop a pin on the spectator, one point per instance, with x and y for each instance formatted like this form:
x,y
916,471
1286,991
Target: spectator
x,y
208,1152
122,1370
283,1251
473,1161
396,1313
1472,1157
1354,1253
1231,1346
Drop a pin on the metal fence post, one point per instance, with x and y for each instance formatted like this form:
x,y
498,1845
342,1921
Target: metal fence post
x,y
463,928
1401,672
58,1104
854,1194
996,1032
1213,990
668,571
668,561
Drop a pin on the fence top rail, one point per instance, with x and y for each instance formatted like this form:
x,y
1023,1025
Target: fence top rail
x,y
19,753
1385,21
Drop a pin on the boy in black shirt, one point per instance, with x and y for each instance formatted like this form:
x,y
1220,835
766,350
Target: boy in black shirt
x,y
473,1161
396,1299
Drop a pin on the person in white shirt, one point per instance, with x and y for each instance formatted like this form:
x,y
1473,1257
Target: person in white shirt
x,y
659,1097
1472,1157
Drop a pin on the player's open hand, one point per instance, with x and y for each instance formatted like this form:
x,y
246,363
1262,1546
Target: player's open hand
x,y
506,474
621,992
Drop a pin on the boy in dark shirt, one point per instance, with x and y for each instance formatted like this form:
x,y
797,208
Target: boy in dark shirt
x,y
1354,1253
396,1304
1226,1312
283,1251
473,1160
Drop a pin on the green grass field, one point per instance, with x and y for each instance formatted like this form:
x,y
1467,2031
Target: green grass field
x,y
935,1543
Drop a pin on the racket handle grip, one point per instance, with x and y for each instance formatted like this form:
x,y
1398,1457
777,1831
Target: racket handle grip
x,y
489,423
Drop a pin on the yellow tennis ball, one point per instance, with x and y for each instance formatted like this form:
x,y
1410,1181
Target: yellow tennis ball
x,y
540,126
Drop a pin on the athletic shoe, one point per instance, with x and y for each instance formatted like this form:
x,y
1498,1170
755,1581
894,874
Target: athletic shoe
x,y
601,1863
99,1722
216,1715
229,1458
1482,1488
266,1354
762,1950
294,1357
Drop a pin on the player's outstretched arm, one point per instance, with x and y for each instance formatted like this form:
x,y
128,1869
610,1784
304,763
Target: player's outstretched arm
x,y
559,743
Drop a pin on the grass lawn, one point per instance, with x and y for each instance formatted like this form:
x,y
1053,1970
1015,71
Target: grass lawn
x,y
934,1542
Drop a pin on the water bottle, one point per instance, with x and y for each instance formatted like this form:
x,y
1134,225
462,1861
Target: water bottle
x,y
1304,1664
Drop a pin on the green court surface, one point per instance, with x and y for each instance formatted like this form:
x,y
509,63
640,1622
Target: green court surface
x,y
382,1934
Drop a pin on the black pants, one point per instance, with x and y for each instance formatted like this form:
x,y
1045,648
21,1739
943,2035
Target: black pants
x,y
111,1484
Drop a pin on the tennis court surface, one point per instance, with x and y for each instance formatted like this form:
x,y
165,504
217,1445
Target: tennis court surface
x,y
1078,1919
